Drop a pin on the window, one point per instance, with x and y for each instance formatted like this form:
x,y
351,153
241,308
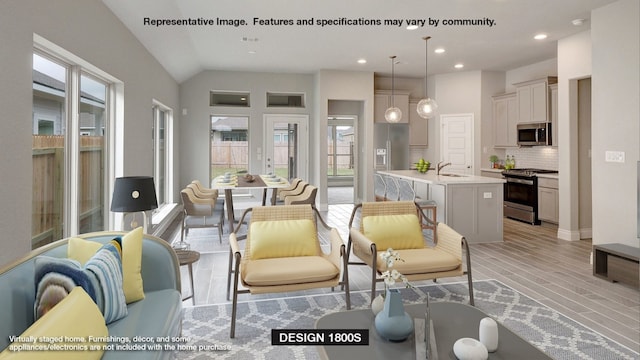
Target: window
x,y
162,120
229,145
229,98
69,152
285,100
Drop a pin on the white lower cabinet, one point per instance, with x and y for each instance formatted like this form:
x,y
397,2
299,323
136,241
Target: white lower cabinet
x,y
548,203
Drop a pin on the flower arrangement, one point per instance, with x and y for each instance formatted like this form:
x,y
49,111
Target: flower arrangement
x,y
390,277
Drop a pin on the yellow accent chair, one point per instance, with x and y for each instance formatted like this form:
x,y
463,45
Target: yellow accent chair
x,y
397,225
282,253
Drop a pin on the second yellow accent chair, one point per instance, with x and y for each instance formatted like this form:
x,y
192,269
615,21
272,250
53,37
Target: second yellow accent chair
x,y
397,225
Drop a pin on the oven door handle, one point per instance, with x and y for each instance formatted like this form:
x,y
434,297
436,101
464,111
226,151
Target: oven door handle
x,y
519,181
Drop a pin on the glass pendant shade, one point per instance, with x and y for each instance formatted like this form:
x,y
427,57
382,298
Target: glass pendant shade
x,y
427,108
393,114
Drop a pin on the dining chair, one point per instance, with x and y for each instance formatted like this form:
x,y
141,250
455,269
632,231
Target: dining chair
x,y
297,190
308,196
200,213
205,190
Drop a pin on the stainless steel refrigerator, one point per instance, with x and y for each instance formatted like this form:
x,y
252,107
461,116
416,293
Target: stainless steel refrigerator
x,y
391,146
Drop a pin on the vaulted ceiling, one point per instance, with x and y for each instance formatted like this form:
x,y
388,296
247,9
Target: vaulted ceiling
x,y
304,36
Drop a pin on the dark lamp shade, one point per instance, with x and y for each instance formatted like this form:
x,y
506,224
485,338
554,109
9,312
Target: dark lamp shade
x,y
134,193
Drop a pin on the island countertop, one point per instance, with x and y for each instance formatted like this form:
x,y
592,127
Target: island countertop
x,y
430,177
472,205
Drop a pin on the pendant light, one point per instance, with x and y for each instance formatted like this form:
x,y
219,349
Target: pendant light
x,y
393,114
426,107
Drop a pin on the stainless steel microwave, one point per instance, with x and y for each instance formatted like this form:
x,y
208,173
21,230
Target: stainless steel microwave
x,y
534,134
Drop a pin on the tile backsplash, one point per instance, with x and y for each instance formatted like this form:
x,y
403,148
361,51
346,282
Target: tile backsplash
x,y
539,157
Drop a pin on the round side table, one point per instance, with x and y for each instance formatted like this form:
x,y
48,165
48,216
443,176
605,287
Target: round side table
x,y
188,257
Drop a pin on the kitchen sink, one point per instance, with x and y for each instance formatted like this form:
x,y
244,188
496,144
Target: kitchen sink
x,y
453,175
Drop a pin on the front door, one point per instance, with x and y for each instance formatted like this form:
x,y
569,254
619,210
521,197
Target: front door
x,y
286,145
456,143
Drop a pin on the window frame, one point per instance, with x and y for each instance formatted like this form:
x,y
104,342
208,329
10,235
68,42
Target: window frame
x,y
166,193
114,113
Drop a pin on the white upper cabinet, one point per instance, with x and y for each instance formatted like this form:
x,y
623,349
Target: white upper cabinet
x,y
382,102
418,127
505,119
534,100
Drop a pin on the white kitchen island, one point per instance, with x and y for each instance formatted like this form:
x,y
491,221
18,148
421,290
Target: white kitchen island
x,y
472,205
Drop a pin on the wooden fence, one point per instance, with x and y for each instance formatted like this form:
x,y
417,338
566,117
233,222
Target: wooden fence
x,y
235,153
48,187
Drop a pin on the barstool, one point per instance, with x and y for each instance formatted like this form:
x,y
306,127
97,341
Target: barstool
x,y
392,189
406,192
379,187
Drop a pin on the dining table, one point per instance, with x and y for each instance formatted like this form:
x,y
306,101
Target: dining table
x,y
243,182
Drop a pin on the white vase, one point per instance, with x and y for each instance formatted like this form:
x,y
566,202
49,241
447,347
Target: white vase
x,y
377,304
489,334
470,349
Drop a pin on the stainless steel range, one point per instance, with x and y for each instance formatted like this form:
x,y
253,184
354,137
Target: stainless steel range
x,y
521,194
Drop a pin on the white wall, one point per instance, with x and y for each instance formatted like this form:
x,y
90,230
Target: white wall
x,y
492,84
344,85
533,71
574,63
196,125
456,93
97,37
615,34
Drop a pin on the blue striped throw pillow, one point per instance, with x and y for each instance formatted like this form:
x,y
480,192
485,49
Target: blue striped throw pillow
x,y
101,278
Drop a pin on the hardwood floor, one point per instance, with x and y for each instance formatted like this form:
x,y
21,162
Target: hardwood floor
x,y
531,260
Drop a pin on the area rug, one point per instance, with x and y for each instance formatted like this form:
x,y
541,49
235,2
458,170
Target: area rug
x,y
207,327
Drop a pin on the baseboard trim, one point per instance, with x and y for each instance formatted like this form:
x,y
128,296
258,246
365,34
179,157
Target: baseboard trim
x,y
586,233
569,235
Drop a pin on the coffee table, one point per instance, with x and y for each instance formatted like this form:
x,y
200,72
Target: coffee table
x,y
451,321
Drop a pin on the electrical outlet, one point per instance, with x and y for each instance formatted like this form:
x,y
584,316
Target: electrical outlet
x,y
614,156
487,195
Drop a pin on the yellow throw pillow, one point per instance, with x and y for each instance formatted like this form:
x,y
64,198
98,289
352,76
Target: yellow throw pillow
x,y
132,265
76,317
283,238
394,231
82,250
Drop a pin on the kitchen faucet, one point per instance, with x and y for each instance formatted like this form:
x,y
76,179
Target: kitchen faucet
x,y
440,166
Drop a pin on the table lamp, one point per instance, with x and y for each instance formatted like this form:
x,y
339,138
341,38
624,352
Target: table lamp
x,y
133,194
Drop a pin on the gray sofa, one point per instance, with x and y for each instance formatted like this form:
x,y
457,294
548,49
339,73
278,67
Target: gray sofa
x,y
158,314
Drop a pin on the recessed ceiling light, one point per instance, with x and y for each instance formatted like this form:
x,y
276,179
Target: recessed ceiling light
x,y
439,50
362,61
458,66
540,36
412,27
577,22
